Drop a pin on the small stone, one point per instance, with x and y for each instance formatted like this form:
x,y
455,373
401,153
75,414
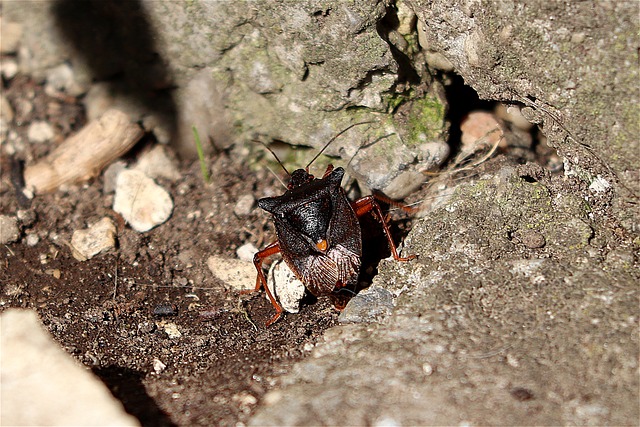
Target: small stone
x,y
32,239
406,19
98,100
288,291
404,184
235,273
438,61
480,128
155,163
62,79
6,112
244,399
26,217
141,202
9,231
244,205
39,378
8,68
246,252
110,176
40,132
172,330
513,114
158,366
599,185
533,239
369,305
164,310
97,239
153,123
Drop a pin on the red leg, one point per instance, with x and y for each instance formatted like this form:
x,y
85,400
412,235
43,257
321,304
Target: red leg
x,y
369,204
328,171
261,281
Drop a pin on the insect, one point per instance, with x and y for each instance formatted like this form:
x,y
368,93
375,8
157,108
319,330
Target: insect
x,y
318,233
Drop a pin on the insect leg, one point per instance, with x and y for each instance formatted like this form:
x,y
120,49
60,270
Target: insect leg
x,y
328,171
369,204
261,281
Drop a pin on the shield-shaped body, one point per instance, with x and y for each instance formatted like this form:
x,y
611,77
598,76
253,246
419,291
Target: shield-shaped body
x,y
318,232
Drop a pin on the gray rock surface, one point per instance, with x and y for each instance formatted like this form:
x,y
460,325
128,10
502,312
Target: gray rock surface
x,y
42,385
486,329
9,230
574,65
294,72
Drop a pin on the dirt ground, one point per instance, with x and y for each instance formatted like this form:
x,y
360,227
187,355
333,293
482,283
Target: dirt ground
x,y
113,312
110,312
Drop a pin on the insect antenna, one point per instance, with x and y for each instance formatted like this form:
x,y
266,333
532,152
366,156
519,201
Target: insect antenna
x,y
333,139
273,154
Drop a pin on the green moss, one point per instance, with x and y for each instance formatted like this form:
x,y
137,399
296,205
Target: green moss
x,y
426,120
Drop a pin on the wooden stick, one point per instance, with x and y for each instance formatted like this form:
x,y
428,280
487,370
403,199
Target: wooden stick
x,y
84,155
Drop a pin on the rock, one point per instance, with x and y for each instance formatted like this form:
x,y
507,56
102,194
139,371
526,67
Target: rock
x,y
513,115
370,305
40,132
140,201
289,291
404,184
155,163
479,129
110,176
6,112
158,365
11,36
475,309
237,274
172,331
244,205
98,238
32,239
42,385
532,239
63,79
26,217
8,68
246,252
101,97
9,231
157,125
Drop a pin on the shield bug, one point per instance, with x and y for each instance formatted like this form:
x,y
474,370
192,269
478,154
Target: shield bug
x,y
318,233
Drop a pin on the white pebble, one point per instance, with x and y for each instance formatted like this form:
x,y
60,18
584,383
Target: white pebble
x,y
289,291
246,252
63,79
6,112
244,205
158,366
140,201
32,239
172,330
98,238
39,132
235,273
155,163
8,68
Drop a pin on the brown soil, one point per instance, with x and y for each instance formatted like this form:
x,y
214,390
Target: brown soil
x,y
110,312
